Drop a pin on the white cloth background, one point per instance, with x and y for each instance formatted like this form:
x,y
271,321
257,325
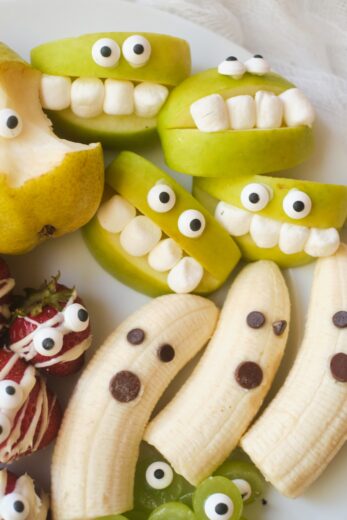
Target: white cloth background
x,y
305,40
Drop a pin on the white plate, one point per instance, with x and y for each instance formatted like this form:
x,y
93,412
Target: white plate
x,y
26,23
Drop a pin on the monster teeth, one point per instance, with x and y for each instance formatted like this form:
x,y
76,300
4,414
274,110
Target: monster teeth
x,y
119,97
235,220
185,276
87,97
293,238
242,112
297,108
322,242
115,214
210,114
269,110
55,92
265,232
165,255
140,236
149,98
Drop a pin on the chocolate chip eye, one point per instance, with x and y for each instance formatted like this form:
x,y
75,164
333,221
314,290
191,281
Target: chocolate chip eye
x,y
76,317
159,475
297,204
137,50
11,394
218,507
161,198
191,223
231,66
106,52
244,487
14,506
166,353
255,197
10,123
255,319
340,319
48,341
136,336
249,375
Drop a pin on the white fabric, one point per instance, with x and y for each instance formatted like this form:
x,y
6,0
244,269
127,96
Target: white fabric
x,y
305,40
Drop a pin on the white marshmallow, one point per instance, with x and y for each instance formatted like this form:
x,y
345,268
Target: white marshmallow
x,y
55,92
185,276
242,113
235,220
165,255
140,236
322,242
87,97
115,214
149,98
264,231
293,238
210,113
233,68
297,108
269,110
119,98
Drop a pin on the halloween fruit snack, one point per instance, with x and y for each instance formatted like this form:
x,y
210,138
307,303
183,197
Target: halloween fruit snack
x,y
232,378
51,329
121,385
289,221
222,123
154,236
19,499
109,87
245,476
29,413
306,424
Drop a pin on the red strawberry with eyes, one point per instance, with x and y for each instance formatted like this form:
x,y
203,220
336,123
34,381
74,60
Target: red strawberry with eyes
x,y
51,329
30,414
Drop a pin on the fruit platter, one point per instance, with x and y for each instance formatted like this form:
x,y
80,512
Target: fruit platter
x,y
173,275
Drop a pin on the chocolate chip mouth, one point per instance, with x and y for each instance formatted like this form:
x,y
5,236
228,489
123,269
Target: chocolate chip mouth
x,y
125,386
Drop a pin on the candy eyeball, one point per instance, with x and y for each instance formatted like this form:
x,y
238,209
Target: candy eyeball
x,y
255,197
106,52
159,475
218,507
257,65
244,487
10,123
48,341
231,66
137,50
5,427
14,507
297,204
11,394
161,198
76,317
191,223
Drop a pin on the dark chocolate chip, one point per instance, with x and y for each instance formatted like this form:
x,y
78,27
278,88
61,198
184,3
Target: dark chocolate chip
x,y
255,319
298,206
12,122
249,375
221,508
138,48
231,58
340,319
264,501
279,327
105,51
338,367
125,386
136,336
166,353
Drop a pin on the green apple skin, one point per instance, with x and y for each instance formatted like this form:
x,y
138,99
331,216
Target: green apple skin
x,y
329,209
232,152
169,64
132,177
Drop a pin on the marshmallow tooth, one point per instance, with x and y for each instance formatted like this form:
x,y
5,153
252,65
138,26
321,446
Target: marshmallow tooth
x,y
87,97
119,98
210,114
269,110
265,232
293,238
242,112
235,220
115,214
149,98
165,255
55,92
185,276
322,242
297,108
140,236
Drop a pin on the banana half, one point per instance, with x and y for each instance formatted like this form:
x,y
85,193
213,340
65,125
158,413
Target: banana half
x,y
97,449
205,421
306,424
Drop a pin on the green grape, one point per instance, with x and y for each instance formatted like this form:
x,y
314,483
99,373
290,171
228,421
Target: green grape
x,y
247,477
156,483
172,511
217,498
136,515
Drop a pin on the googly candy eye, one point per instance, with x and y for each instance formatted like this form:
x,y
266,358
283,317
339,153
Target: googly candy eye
x,y
257,65
48,341
14,507
137,50
231,66
5,427
11,394
219,507
159,475
244,487
76,317
297,204
106,52
255,197
217,498
161,198
191,223
10,123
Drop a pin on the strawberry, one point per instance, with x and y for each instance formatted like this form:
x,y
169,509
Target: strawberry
x,y
6,285
30,414
51,329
